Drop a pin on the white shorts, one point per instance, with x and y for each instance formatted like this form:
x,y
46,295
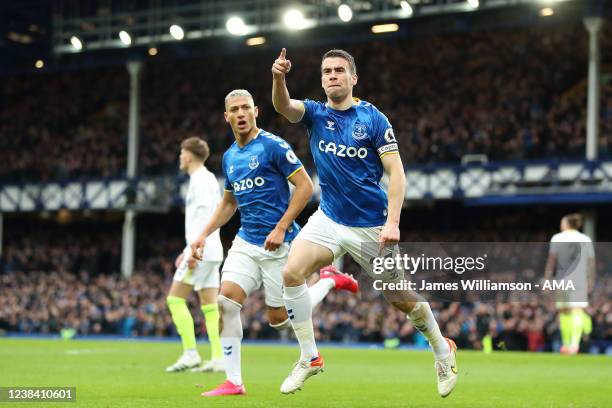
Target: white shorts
x,y
204,275
249,266
577,298
361,243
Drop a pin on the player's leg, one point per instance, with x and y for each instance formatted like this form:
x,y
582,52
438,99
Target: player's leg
x,y
304,258
272,265
239,278
231,298
362,245
420,314
577,329
182,286
422,318
207,286
565,328
183,321
331,278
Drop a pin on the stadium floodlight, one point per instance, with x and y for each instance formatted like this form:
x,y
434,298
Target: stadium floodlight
x,y
152,51
294,19
236,26
39,64
76,43
384,28
547,11
473,3
345,13
406,8
176,31
125,38
255,41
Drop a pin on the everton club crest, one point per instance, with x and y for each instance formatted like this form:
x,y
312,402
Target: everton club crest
x,y
360,131
253,163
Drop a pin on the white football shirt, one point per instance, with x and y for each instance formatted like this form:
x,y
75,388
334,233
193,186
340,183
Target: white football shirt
x,y
203,196
573,249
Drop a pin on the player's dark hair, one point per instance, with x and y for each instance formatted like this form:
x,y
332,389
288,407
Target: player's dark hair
x,y
335,53
197,147
574,221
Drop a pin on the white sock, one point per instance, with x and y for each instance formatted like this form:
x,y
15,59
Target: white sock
x,y
423,320
319,290
231,338
298,304
231,357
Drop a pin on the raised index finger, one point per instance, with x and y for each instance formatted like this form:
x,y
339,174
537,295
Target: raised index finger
x,y
283,53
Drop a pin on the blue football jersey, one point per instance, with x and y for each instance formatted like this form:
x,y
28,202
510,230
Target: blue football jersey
x,y
347,147
257,174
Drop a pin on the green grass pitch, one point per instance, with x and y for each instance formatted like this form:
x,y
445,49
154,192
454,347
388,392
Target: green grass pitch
x,y
131,374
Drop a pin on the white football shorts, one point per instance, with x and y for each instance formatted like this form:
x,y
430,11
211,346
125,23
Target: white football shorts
x,y
204,275
249,266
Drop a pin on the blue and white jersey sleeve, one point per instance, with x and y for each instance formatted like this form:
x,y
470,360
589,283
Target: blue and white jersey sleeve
x,y
227,184
310,107
284,159
383,137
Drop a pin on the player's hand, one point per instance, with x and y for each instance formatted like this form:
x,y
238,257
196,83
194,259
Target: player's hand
x,y
191,262
389,235
275,239
178,260
197,248
281,65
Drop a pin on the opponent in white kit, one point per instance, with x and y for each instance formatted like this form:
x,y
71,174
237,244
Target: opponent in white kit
x,y
572,258
351,142
202,198
256,169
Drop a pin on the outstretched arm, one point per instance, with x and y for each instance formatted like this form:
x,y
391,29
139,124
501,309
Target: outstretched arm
x,y
292,109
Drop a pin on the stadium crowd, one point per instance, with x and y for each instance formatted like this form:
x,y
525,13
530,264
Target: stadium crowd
x,y
508,93
50,282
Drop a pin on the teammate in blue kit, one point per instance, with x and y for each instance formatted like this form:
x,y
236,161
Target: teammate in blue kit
x,y
256,169
352,143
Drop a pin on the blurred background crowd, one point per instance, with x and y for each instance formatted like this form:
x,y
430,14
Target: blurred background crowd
x,y
508,93
50,282
502,91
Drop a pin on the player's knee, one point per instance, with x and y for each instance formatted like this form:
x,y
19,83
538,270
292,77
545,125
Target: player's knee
x,y
277,317
228,306
230,324
292,276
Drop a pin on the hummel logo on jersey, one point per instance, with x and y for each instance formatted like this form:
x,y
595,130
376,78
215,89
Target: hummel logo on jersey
x,y
330,125
231,169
